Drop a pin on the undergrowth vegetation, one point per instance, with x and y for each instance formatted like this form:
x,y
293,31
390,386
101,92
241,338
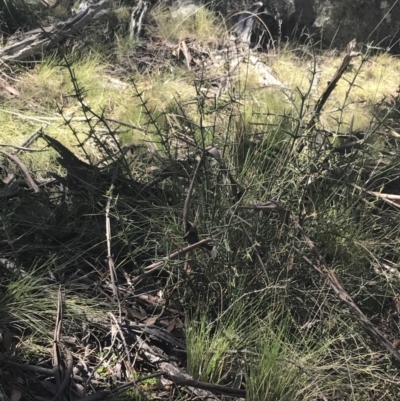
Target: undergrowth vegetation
x,y
297,207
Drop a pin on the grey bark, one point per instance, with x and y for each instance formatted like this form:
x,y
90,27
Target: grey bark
x,y
138,18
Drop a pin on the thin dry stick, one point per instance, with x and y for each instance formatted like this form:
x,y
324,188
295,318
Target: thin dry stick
x,y
123,342
5,145
24,170
104,394
62,385
189,229
385,197
171,369
213,388
233,191
56,340
30,139
384,18
236,301
256,251
38,370
111,265
67,376
32,118
329,89
157,265
186,207
113,120
31,368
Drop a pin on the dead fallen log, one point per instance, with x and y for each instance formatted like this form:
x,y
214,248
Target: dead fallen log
x,y
36,41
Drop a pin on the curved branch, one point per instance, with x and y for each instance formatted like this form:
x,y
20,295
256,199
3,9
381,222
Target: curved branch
x,y
23,168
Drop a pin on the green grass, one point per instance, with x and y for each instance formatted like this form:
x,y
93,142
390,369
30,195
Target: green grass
x,y
29,307
212,346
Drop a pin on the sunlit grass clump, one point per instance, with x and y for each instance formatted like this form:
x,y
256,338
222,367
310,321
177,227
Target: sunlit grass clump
x,y
198,24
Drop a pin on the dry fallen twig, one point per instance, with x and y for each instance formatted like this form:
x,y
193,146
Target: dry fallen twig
x,y
157,265
23,168
110,260
5,145
61,380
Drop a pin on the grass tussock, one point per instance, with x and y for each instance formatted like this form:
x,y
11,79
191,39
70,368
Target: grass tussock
x,y
195,23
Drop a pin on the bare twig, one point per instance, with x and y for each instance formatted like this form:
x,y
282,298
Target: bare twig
x,y
24,170
61,381
110,350
56,339
189,229
32,138
67,376
123,342
101,395
21,148
387,198
37,369
4,145
110,260
157,265
256,251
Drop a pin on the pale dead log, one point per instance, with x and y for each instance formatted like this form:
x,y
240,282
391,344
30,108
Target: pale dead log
x,y
44,38
138,19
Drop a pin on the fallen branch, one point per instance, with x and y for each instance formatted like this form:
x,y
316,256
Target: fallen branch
x,y
350,54
44,38
37,369
101,395
5,145
23,168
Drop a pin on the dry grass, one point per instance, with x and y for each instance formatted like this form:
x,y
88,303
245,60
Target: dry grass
x,y
201,25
